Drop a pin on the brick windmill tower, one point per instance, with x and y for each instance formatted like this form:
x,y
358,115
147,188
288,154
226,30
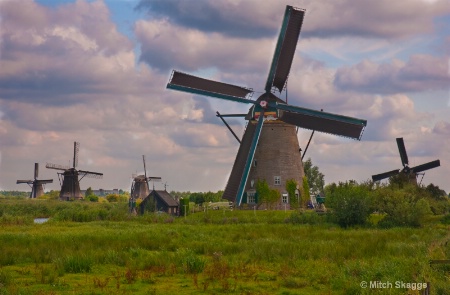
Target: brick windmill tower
x,y
269,148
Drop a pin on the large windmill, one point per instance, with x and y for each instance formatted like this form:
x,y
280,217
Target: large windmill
x,y
69,179
140,188
36,185
270,151
411,172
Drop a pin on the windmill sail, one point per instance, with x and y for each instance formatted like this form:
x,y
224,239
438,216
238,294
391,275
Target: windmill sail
x,y
402,151
412,172
70,187
285,49
37,188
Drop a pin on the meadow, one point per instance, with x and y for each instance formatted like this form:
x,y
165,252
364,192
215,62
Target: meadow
x,y
98,248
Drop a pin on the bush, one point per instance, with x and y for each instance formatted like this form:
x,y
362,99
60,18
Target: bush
x,y
446,219
92,198
351,204
403,207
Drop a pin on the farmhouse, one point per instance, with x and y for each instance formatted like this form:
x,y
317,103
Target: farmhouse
x,y
159,201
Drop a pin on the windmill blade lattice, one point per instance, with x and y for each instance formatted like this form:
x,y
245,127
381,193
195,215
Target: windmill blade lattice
x,y
427,166
402,151
56,166
285,49
192,84
385,175
90,174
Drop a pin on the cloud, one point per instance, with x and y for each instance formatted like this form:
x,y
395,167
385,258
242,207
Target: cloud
x,y
165,45
68,74
58,55
419,73
369,19
324,19
442,128
251,19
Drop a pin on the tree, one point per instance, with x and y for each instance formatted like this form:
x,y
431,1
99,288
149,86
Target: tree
x,y
291,188
89,192
315,178
351,204
263,191
197,198
275,196
305,195
92,198
435,192
402,207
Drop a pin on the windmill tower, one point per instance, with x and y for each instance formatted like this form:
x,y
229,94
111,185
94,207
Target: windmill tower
x,y
411,172
69,179
37,186
139,187
269,148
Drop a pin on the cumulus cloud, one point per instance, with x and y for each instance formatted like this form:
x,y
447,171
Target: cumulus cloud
x,y
165,45
68,74
419,73
330,18
59,55
442,128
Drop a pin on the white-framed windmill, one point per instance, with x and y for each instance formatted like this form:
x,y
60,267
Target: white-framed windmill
x,y
37,186
269,148
71,177
410,172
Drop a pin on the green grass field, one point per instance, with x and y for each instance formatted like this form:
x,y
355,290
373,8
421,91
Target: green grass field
x,y
214,252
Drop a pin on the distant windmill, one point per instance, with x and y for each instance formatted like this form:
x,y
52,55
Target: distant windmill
x,y
269,151
411,172
69,179
36,185
140,188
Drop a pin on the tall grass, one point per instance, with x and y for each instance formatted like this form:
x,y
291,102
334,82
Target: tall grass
x,y
242,252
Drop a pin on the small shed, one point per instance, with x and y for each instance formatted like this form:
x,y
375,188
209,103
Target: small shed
x,y
159,201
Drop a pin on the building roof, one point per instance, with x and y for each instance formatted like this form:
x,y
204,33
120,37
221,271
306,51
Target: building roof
x,y
166,198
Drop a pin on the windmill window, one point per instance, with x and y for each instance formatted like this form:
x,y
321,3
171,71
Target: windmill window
x,y
277,180
251,198
285,198
255,163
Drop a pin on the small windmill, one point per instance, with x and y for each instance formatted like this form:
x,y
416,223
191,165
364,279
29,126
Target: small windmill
x,y
270,150
37,186
140,188
69,179
411,172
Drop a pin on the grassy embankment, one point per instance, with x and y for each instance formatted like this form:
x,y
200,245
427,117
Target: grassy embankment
x,y
237,252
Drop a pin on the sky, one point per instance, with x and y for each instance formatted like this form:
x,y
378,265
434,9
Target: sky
x,y
96,72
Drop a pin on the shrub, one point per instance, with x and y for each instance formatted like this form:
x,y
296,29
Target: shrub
x,y
446,219
351,204
403,207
